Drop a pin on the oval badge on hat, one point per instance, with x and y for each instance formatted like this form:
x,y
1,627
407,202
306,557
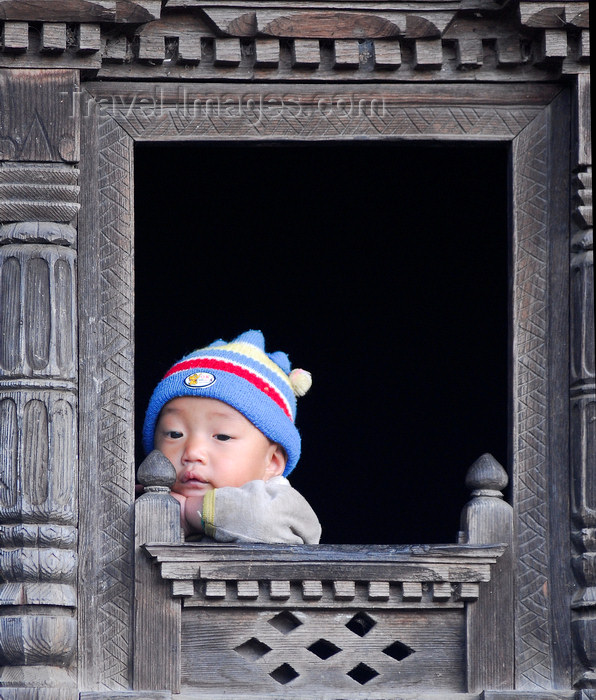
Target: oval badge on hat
x,y
199,380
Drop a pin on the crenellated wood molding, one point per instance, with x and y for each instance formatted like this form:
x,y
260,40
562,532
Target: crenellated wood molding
x,y
359,40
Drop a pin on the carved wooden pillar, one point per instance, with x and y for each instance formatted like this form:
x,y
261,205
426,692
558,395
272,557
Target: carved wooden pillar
x,y
583,403
38,384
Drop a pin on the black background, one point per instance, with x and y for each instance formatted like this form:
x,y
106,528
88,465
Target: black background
x,y
382,269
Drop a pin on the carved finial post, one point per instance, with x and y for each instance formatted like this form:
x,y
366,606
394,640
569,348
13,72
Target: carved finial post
x,y
157,475
488,519
157,614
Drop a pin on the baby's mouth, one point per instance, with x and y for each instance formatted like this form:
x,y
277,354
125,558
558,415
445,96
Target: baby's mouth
x,y
194,481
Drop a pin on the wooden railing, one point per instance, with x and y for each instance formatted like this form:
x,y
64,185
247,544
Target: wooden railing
x,y
256,621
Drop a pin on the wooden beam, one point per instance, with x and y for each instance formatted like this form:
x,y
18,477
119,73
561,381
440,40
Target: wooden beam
x,y
81,10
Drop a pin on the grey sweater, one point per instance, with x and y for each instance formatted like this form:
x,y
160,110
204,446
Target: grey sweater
x,y
260,511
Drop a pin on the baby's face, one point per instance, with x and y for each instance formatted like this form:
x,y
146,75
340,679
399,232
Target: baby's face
x,y
212,445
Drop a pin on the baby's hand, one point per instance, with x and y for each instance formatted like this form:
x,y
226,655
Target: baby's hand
x,y
193,513
182,501
190,512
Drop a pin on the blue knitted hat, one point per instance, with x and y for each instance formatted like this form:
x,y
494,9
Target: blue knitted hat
x,y
259,385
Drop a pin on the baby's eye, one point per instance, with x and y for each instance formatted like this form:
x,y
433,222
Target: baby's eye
x,y
174,434
222,437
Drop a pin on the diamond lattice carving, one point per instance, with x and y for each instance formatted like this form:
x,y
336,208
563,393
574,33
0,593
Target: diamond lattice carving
x,y
398,651
253,649
355,647
284,674
324,649
362,673
285,622
361,624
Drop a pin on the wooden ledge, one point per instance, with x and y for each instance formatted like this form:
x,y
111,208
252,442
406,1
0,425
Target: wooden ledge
x,y
341,553
410,576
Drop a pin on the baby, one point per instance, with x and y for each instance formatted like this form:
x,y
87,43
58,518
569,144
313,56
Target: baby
x,y
224,416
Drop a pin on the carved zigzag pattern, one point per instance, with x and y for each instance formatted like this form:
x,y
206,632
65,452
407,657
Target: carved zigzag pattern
x,y
116,428
329,120
533,638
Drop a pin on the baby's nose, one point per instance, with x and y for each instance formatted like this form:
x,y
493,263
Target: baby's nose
x,y
195,449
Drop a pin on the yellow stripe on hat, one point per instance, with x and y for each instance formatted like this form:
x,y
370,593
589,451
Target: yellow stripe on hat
x,y
251,371
255,354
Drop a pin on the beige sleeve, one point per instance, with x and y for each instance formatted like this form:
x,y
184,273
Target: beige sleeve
x,y
260,511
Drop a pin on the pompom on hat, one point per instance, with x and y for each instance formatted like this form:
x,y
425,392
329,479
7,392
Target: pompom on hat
x,y
262,386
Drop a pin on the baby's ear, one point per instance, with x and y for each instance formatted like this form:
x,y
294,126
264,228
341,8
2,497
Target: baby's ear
x,y
277,463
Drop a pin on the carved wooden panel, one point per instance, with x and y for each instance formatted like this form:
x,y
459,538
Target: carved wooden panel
x,y
346,620
530,404
107,422
540,381
181,112
344,651
583,402
38,385
44,192
38,309
36,427
26,132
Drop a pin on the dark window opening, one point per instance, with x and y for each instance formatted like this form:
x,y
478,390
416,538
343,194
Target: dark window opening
x,y
379,267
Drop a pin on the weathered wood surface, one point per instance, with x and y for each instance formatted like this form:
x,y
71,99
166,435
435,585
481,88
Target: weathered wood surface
x,y
39,694
157,614
434,116
531,695
411,601
583,401
106,448
298,617
532,140
189,41
407,695
488,518
172,112
329,579
417,695
540,407
336,593
38,387
439,563
182,47
76,11
127,695
337,554
56,45
290,656
130,94
39,314
38,123
431,40
181,41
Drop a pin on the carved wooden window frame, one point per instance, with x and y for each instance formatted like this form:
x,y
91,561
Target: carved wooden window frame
x,y
534,120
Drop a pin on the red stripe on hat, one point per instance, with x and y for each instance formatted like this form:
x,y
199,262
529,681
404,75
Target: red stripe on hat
x,y
239,371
